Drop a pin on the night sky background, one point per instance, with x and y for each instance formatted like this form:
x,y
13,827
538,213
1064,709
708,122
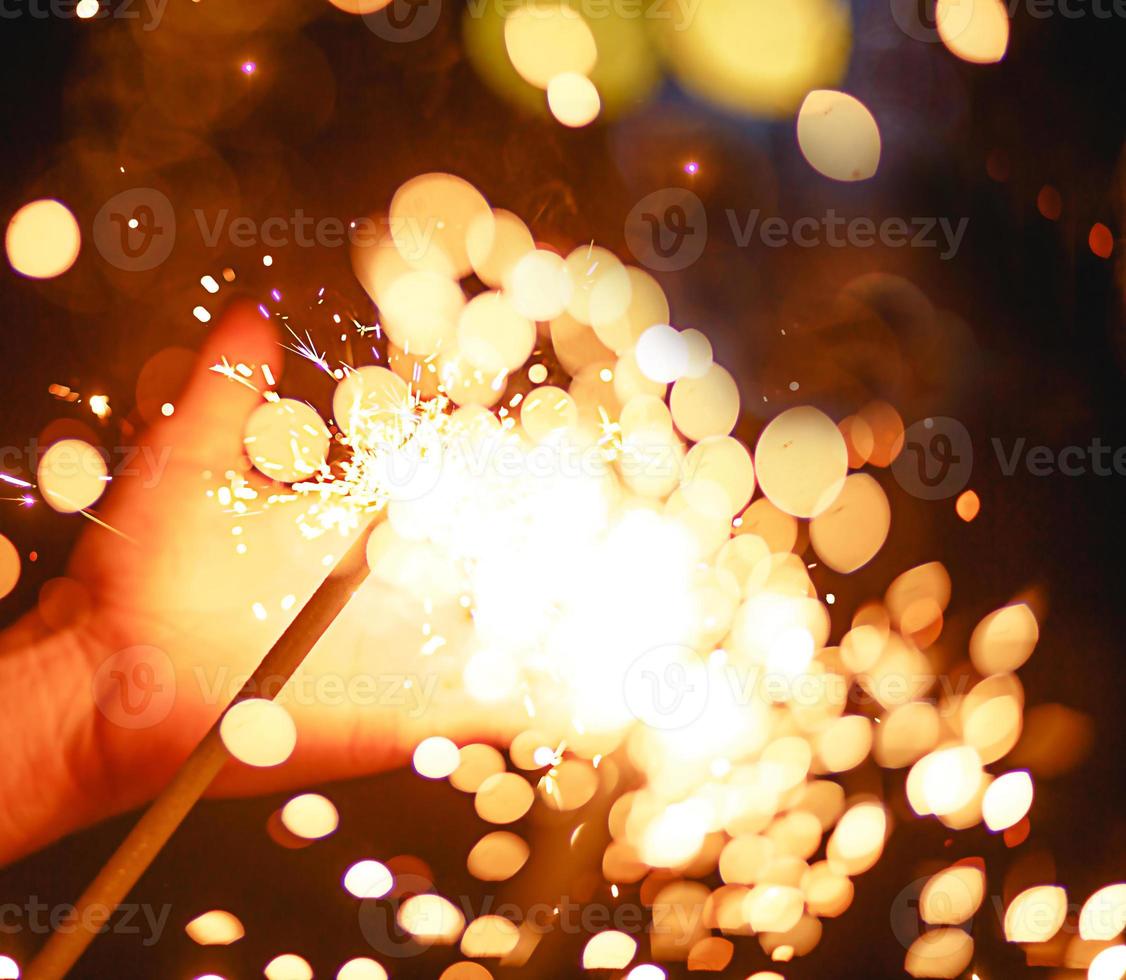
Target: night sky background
x,y
1026,340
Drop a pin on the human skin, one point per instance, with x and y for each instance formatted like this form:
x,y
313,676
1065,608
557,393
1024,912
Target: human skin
x,y
96,716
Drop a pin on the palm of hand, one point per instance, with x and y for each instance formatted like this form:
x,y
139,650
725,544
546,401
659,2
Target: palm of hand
x,y
185,608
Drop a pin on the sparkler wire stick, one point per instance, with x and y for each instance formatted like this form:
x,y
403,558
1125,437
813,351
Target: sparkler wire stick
x,y
120,873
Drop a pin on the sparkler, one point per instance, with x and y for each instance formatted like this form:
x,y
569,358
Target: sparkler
x,y
167,812
656,647
349,498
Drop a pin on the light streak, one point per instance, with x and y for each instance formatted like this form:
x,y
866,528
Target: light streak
x,y
583,589
231,372
308,350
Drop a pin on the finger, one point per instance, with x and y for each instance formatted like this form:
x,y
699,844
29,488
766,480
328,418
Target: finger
x,y
338,744
353,717
235,366
343,743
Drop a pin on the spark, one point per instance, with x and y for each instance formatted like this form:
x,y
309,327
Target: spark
x,y
231,371
308,350
550,785
404,435
610,440
566,577
62,392
99,405
109,527
433,645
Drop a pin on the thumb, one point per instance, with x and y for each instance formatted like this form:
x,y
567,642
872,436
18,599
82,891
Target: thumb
x,y
240,360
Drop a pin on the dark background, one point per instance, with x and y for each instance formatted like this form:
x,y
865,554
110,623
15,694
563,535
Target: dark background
x,y
1029,344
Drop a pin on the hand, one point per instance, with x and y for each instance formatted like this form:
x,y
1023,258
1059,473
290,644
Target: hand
x,y
186,599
